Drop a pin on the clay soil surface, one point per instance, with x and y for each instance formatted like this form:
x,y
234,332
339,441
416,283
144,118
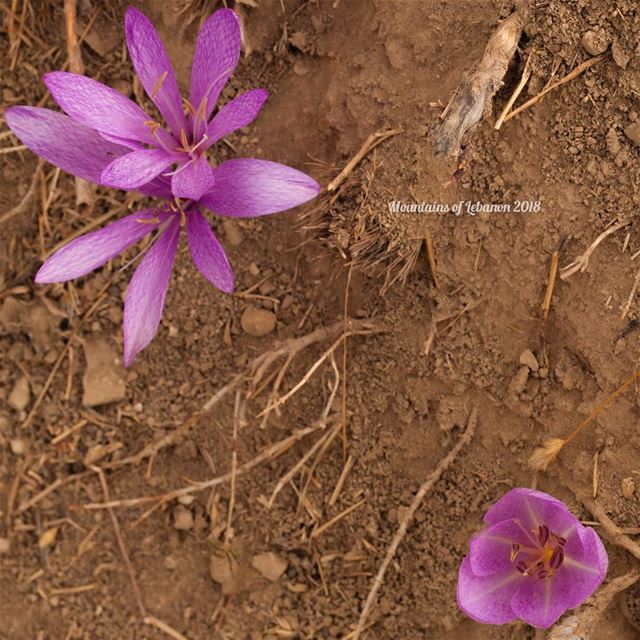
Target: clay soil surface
x,y
292,555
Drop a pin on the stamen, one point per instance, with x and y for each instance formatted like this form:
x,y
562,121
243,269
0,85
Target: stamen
x,y
184,140
190,108
183,219
154,126
543,534
515,550
556,558
158,84
148,220
202,111
543,574
522,568
559,539
204,138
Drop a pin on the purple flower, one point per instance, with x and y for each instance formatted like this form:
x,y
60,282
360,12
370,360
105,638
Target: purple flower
x,y
533,561
107,139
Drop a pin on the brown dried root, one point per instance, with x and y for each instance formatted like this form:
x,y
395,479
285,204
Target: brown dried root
x,y
475,92
425,487
581,625
543,456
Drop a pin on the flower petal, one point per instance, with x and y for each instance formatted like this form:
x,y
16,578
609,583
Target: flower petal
x,y
136,168
207,252
98,106
193,179
63,141
533,508
216,56
538,602
487,599
92,250
490,550
238,113
146,293
246,187
152,64
159,187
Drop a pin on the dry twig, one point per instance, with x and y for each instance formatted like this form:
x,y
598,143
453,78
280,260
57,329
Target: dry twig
x,y
425,487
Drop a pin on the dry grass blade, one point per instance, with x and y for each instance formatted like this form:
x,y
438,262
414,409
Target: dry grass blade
x,y
543,456
425,487
582,262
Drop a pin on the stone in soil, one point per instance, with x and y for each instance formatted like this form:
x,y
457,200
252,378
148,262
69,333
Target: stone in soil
x,y
103,380
257,322
20,394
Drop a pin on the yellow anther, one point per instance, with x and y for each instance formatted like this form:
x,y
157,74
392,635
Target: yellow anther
x,y
148,220
190,107
158,84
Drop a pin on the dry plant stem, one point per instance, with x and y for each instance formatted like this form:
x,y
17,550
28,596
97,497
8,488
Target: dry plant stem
x,y
582,624
121,544
269,453
581,263
551,283
84,189
473,96
345,442
526,74
327,525
632,295
164,627
238,418
432,259
407,519
370,143
581,68
561,443
613,531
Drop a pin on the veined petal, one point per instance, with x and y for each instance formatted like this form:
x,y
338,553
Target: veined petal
x,y
62,141
136,168
490,550
207,252
159,187
238,113
216,56
247,187
533,508
487,599
152,64
147,291
538,602
98,106
192,179
92,250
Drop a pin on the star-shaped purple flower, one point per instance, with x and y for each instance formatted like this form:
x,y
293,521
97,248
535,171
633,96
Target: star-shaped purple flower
x,y
108,139
533,561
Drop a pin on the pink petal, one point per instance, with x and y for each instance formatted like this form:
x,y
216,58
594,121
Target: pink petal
x,y
246,187
147,291
238,113
98,106
533,508
487,599
136,168
207,252
216,56
159,187
92,250
63,141
537,602
193,179
490,550
154,68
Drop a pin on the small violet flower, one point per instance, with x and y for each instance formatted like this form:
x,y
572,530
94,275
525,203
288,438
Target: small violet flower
x,y
533,561
108,139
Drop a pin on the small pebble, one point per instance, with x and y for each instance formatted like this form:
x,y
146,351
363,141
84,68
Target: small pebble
x,y
233,232
20,394
594,43
182,519
628,487
529,360
633,133
269,565
18,446
257,322
5,546
170,563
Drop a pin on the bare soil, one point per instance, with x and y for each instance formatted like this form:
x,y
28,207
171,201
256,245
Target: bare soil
x,y
337,71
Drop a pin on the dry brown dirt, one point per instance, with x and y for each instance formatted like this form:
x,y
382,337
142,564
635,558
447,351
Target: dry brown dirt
x,y
337,70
